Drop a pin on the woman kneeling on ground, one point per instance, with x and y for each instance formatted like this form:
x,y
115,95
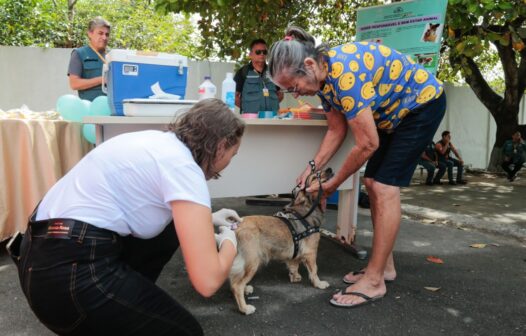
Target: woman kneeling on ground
x,y
100,237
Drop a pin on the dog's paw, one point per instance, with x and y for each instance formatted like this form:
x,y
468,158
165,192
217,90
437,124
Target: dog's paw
x,y
321,284
250,309
295,277
249,290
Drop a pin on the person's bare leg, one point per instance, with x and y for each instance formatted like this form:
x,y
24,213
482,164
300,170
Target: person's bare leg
x,y
386,214
390,270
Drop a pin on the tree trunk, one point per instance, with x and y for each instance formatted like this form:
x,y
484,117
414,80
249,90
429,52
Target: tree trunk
x,y
507,123
505,108
71,17
495,159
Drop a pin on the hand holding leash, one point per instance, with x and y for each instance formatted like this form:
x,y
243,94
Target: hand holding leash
x,y
309,170
225,234
226,217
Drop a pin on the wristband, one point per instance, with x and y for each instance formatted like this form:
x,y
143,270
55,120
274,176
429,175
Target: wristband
x,y
312,165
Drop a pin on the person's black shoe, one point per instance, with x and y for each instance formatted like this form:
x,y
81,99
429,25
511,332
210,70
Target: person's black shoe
x,y
462,182
511,179
438,182
429,183
452,183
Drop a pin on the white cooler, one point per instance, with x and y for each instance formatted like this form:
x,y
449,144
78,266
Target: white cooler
x,y
149,107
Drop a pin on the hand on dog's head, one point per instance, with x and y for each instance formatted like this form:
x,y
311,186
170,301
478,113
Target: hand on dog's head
x,y
305,197
312,182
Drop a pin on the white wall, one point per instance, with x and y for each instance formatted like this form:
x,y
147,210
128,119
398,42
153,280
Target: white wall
x,y
36,77
472,127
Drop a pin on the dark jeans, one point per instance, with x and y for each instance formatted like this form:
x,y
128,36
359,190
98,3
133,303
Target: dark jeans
x,y
430,167
517,165
451,162
89,281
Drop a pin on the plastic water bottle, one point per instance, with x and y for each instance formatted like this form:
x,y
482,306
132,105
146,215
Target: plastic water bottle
x,y
207,89
228,92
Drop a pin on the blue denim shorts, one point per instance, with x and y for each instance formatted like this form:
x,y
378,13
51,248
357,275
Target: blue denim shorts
x,y
395,160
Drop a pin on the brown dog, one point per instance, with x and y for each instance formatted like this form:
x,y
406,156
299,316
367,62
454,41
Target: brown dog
x,y
264,238
431,33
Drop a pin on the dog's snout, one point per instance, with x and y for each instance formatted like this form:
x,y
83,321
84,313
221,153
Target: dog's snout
x,y
329,173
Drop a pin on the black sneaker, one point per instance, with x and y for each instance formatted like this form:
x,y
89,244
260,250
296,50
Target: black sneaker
x,y
512,178
452,183
429,183
438,182
462,182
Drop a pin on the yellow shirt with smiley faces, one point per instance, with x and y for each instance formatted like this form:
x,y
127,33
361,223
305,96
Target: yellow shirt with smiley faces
x,y
369,74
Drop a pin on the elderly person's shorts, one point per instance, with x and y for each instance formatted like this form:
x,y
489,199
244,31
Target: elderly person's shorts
x,y
395,160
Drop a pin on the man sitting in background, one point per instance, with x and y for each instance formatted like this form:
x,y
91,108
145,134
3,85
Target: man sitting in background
x,y
513,151
429,160
444,148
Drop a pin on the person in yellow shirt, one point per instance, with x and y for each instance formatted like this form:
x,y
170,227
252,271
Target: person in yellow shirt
x,y
393,107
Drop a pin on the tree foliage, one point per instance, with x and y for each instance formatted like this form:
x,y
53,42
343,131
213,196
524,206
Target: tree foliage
x,y
63,23
228,26
475,28
31,22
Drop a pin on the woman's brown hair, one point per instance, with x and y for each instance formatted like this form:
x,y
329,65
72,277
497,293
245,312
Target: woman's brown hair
x,y
203,127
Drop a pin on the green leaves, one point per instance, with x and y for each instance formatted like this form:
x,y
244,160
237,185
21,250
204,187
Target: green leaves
x,y
229,26
135,25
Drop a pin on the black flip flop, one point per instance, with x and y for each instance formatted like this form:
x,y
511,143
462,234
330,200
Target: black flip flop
x,y
367,299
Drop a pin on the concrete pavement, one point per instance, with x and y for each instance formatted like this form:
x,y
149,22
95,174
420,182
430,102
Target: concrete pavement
x,y
488,203
481,290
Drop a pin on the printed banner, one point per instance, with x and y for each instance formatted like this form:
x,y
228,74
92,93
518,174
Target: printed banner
x,y
411,27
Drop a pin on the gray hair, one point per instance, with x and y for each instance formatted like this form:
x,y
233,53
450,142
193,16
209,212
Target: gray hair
x,y
98,22
203,127
287,55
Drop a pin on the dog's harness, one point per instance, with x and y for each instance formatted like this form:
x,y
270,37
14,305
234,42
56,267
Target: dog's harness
x,y
298,226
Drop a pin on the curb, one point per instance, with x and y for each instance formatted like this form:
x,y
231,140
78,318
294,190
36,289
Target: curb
x,y
433,216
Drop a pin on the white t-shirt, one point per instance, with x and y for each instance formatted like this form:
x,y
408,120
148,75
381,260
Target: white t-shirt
x,y
126,184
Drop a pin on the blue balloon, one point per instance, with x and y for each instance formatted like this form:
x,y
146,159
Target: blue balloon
x,y
72,108
88,130
100,107
86,103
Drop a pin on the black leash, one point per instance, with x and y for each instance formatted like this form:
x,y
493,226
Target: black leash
x,y
320,190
